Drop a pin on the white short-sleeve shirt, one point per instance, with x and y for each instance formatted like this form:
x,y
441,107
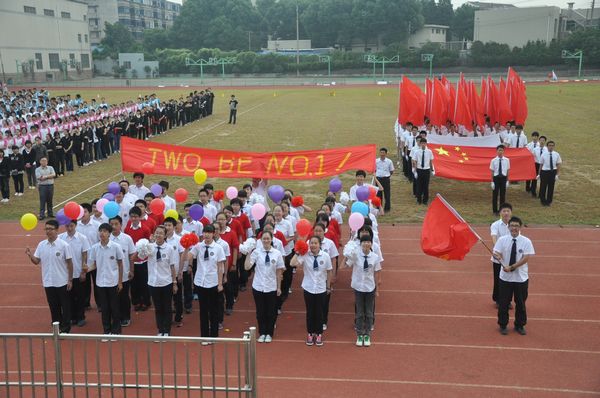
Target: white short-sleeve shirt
x,y
128,248
545,160
495,165
78,244
363,278
524,247
315,280
265,275
90,230
207,269
285,227
53,259
193,226
106,259
159,270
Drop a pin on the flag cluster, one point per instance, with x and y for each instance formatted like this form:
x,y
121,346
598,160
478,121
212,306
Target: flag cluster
x,y
460,103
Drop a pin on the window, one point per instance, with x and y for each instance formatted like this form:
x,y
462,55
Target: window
x,y
127,64
66,15
71,57
38,61
29,10
123,10
432,30
85,61
79,37
437,31
86,38
48,13
54,61
84,17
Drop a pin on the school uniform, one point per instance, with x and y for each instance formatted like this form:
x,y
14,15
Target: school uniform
x,y
106,258
231,287
518,140
354,187
500,168
537,151
128,249
225,246
264,287
498,229
383,172
314,284
193,226
140,192
140,294
174,241
90,230
285,227
515,283
548,174
79,244
55,276
410,142
363,282
423,158
206,281
161,266
330,248
170,203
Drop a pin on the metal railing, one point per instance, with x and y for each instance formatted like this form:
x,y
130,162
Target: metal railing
x,y
90,365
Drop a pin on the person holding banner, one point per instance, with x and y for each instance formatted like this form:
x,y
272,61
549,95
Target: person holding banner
x,y
384,168
500,167
536,148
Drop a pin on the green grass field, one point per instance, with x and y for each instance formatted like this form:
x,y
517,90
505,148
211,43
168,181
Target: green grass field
x,y
311,118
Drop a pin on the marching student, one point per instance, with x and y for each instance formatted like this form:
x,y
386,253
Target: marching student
x,y
549,171
128,248
285,227
384,168
139,189
140,294
246,226
225,246
409,142
208,280
89,227
498,229
54,255
422,162
229,236
330,248
162,279
266,286
534,147
360,181
316,283
189,224
107,258
173,239
210,210
518,139
80,247
537,155
513,251
170,203
500,167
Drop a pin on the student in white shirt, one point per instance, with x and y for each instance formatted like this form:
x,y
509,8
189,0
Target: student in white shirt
x,y
500,167
189,224
170,203
139,189
54,255
226,250
535,148
173,240
210,211
128,248
107,258
384,168
537,152
316,284
328,246
366,277
513,251
360,181
498,229
549,171
89,227
266,286
79,245
208,280
124,206
97,215
409,141
422,163
518,139
128,196
285,227
162,279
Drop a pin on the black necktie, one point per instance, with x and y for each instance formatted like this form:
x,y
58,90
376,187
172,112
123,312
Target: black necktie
x,y
518,141
158,257
414,141
541,152
206,253
500,167
551,163
513,252
315,263
267,259
423,160
366,263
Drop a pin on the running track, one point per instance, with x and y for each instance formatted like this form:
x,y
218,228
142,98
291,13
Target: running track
x,y
436,332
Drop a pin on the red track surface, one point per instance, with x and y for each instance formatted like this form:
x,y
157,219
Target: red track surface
x,y
436,333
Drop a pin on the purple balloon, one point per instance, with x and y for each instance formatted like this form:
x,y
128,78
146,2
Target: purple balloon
x,y
109,196
335,185
276,193
196,212
114,188
61,218
156,190
362,193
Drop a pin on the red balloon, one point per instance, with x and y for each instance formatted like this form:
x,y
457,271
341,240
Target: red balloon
x,y
303,227
181,195
148,168
372,193
72,210
157,206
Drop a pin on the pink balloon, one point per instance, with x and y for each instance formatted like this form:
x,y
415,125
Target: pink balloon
x,y
100,204
258,211
356,220
80,216
231,193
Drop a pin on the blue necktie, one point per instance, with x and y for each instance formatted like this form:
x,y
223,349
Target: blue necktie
x,y
315,263
366,263
206,253
267,259
158,257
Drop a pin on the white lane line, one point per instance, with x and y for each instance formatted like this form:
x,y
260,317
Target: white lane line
x,y
384,239
481,272
86,190
403,254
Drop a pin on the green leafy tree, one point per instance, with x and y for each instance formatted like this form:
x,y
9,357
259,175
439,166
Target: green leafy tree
x,y
117,40
462,24
587,40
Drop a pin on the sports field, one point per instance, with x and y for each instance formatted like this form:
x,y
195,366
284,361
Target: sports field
x,y
323,117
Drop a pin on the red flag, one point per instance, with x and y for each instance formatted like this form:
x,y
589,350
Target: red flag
x,y
445,234
469,163
490,104
503,111
451,99
475,104
462,111
517,96
412,103
439,104
428,96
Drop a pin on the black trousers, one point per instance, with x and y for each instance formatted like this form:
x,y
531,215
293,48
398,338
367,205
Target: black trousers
x,y
209,311
496,270
243,274
46,195
314,312
386,194
125,302
547,180
61,162
188,290
178,302
286,281
31,181
232,115
266,311
423,176
221,306
77,300
531,185
499,192
140,294
60,306
88,286
163,309
109,305
69,160
506,291
231,289
326,308
5,187
18,182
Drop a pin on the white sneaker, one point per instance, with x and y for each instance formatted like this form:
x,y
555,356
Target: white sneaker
x,y
16,194
261,338
324,326
166,334
268,339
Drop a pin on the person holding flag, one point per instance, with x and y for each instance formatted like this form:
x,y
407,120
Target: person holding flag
x,y
500,167
422,163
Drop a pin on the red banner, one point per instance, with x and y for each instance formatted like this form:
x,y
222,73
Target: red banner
x,y
469,163
297,165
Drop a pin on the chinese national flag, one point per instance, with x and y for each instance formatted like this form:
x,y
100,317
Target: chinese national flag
x,y
503,111
445,234
439,104
462,111
469,163
517,97
412,103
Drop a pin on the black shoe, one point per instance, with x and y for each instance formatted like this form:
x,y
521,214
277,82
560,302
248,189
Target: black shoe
x,y
510,306
41,218
503,331
188,310
50,215
242,288
521,330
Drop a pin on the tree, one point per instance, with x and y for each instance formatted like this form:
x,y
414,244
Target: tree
x,y
117,40
440,13
587,40
462,24
156,38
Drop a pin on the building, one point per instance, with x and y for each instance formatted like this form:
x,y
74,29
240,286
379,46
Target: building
x,y
480,5
428,34
136,15
129,65
44,40
288,45
516,26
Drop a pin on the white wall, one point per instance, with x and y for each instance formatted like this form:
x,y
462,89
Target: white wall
x,y
428,33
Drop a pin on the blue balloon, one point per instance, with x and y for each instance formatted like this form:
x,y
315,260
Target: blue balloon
x,y
111,209
358,207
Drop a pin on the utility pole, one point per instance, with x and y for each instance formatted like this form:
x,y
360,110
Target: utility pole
x,y
249,41
297,42
592,12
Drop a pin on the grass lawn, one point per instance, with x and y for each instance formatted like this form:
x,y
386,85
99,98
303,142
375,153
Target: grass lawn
x,y
311,118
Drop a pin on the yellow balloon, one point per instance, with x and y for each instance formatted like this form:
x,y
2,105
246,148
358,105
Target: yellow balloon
x,y
200,176
29,221
172,213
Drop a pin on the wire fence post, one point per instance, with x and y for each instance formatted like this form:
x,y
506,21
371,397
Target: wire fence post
x,y
252,364
57,359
